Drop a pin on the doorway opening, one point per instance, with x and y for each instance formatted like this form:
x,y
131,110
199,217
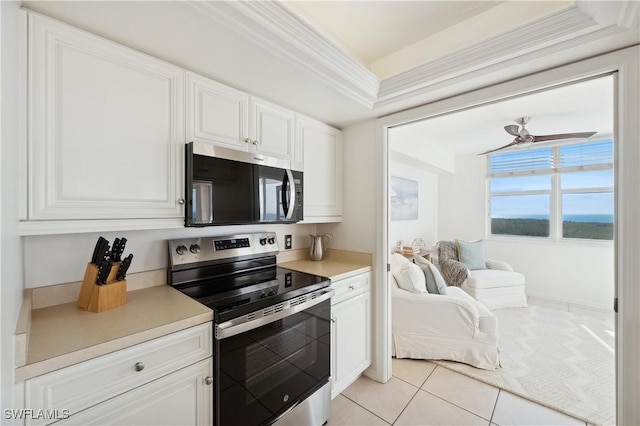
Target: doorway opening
x,y
458,223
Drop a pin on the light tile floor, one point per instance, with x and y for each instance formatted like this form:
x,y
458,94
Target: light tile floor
x,y
422,393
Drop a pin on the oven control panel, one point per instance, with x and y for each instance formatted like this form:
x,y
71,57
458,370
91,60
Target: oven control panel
x,y
192,250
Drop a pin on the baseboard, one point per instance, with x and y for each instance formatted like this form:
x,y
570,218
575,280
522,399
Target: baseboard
x,y
573,302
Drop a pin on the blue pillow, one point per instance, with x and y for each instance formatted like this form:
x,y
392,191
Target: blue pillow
x,y
471,253
435,283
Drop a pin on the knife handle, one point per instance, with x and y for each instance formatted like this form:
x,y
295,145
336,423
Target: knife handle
x,y
97,251
114,250
122,271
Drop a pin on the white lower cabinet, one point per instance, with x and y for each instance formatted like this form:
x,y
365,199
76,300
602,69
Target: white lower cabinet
x,y
165,381
180,398
351,332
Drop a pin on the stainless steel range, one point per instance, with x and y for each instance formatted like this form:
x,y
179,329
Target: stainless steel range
x,y
272,343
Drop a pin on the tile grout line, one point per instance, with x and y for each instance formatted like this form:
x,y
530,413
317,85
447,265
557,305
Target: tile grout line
x,y
493,412
419,388
456,405
405,406
414,395
364,408
423,382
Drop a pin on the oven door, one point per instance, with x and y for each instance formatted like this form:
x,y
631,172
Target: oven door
x,y
267,366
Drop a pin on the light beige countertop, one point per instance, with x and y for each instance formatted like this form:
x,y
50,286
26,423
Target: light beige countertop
x,y
336,264
64,335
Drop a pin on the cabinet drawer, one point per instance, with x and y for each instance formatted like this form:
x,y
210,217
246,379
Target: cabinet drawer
x,y
350,287
180,398
82,385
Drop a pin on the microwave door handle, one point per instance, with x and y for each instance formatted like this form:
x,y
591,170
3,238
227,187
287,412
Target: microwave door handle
x,y
288,207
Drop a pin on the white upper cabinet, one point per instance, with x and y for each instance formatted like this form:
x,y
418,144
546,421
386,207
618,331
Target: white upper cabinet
x,y
321,148
272,129
223,116
106,129
216,113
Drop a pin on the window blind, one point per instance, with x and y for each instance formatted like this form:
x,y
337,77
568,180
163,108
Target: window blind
x,y
564,158
528,160
586,154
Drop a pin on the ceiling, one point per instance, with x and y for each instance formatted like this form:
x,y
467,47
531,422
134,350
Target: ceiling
x,y
358,60
580,107
380,34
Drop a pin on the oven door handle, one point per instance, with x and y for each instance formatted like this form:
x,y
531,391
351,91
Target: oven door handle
x,y
243,324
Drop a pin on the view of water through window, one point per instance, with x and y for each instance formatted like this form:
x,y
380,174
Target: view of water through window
x,y
522,185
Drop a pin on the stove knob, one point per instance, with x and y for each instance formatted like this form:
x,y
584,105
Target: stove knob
x,y
195,248
263,241
181,249
272,240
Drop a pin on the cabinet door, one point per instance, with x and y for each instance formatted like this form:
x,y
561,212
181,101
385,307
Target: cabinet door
x,y
106,128
92,382
322,157
272,129
351,342
180,398
216,113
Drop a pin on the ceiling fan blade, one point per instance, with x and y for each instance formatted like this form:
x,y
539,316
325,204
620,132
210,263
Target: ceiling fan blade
x,y
512,130
502,147
582,135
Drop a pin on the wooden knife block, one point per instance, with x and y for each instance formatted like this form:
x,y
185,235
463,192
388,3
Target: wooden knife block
x,y
99,298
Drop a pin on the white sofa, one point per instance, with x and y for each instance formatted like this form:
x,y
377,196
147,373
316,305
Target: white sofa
x,y
451,327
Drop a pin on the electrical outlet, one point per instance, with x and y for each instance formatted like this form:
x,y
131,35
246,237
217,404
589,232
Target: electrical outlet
x,y
287,242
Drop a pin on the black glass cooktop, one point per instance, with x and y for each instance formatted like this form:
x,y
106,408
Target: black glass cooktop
x,y
239,294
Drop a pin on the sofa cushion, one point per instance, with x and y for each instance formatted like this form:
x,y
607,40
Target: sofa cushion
x,y
491,278
471,253
435,283
408,275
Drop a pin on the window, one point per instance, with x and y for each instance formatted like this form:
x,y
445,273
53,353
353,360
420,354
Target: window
x,y
553,192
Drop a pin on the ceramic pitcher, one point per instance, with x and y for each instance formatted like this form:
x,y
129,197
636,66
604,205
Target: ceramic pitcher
x,y
318,247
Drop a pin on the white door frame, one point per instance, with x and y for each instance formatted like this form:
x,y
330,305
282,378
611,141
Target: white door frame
x,y
625,63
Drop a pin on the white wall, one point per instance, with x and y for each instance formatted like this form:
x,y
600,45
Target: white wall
x,y
574,272
426,226
11,283
55,259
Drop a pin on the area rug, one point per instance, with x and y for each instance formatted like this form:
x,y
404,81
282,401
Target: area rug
x,y
558,359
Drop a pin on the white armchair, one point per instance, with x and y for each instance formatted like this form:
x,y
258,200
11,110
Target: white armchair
x,y
450,326
496,287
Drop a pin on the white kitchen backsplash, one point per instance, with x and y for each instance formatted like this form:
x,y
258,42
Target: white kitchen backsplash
x,y
57,259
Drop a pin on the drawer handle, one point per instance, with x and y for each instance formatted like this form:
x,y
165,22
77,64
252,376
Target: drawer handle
x,y
208,380
334,320
139,366
352,287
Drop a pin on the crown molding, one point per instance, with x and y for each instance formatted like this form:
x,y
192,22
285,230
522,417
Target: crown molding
x,y
563,30
289,38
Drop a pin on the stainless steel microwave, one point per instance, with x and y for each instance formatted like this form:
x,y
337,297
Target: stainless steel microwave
x,y
229,187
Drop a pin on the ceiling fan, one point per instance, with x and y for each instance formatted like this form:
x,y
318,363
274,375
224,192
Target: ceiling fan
x,y
524,138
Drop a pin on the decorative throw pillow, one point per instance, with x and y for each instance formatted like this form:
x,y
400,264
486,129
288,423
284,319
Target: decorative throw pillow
x,y
408,275
471,253
434,280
